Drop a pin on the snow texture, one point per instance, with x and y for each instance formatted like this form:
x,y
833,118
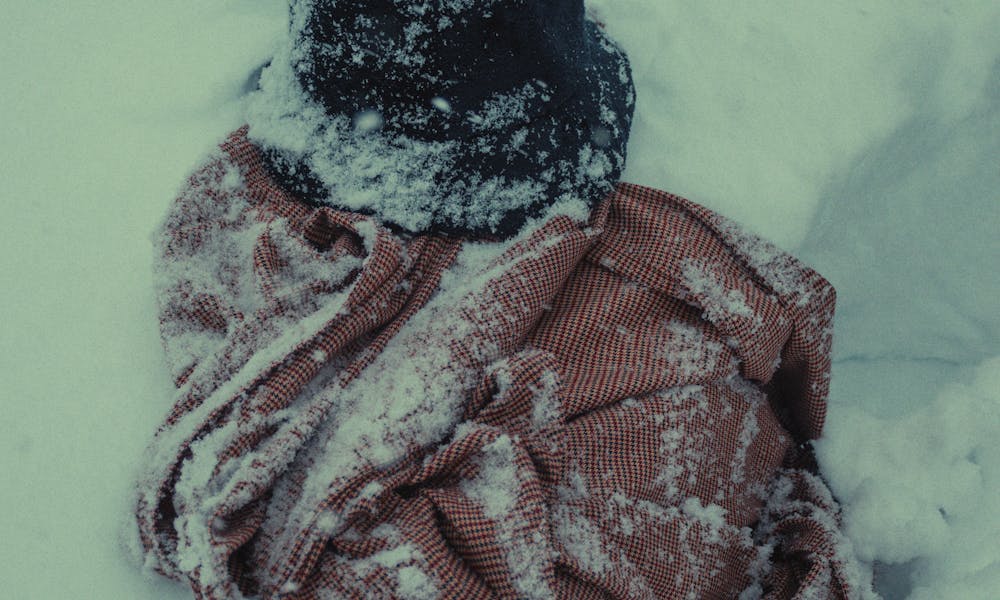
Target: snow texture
x,y
495,489
404,180
864,135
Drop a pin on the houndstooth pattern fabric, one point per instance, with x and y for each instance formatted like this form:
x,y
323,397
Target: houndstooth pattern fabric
x,y
609,409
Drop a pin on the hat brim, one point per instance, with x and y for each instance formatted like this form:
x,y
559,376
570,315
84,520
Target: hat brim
x,y
485,186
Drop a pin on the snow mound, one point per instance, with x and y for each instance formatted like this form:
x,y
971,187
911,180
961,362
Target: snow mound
x,y
925,487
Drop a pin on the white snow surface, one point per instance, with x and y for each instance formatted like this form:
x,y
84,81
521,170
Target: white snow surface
x,y
864,136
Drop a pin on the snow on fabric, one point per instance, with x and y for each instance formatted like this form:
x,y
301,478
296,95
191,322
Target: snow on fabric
x,y
762,111
471,387
396,162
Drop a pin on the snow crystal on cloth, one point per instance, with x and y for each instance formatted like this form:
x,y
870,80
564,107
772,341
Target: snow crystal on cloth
x,y
411,182
373,415
495,488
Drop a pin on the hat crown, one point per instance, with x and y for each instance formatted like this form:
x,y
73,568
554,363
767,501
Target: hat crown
x,y
441,69
470,117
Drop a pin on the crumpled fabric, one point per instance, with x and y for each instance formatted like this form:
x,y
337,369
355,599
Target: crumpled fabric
x,y
615,408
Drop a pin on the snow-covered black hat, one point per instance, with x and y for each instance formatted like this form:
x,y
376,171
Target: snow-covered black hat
x,y
463,117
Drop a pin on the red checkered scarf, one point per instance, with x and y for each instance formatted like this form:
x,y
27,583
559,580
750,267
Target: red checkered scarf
x,y
608,409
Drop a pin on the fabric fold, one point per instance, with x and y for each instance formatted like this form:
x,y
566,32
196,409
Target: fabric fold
x,y
605,409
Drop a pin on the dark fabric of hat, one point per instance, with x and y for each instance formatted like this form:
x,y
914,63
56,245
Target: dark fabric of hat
x,y
523,103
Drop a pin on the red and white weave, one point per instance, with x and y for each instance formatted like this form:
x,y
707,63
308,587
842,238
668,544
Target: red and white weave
x,y
611,409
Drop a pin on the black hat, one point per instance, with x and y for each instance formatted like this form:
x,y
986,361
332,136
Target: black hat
x,y
464,117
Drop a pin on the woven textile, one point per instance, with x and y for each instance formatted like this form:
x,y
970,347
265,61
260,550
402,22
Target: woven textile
x,y
611,409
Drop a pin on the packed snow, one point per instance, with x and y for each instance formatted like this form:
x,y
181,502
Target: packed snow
x,y
863,136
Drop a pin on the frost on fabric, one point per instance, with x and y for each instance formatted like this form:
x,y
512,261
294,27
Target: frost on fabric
x,y
589,525
689,351
676,463
496,486
721,301
395,177
711,516
758,570
779,270
413,394
797,286
406,564
204,264
784,504
414,584
681,449
622,515
746,400
546,407
701,533
687,452
495,489
748,433
212,234
402,179
506,109
581,538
